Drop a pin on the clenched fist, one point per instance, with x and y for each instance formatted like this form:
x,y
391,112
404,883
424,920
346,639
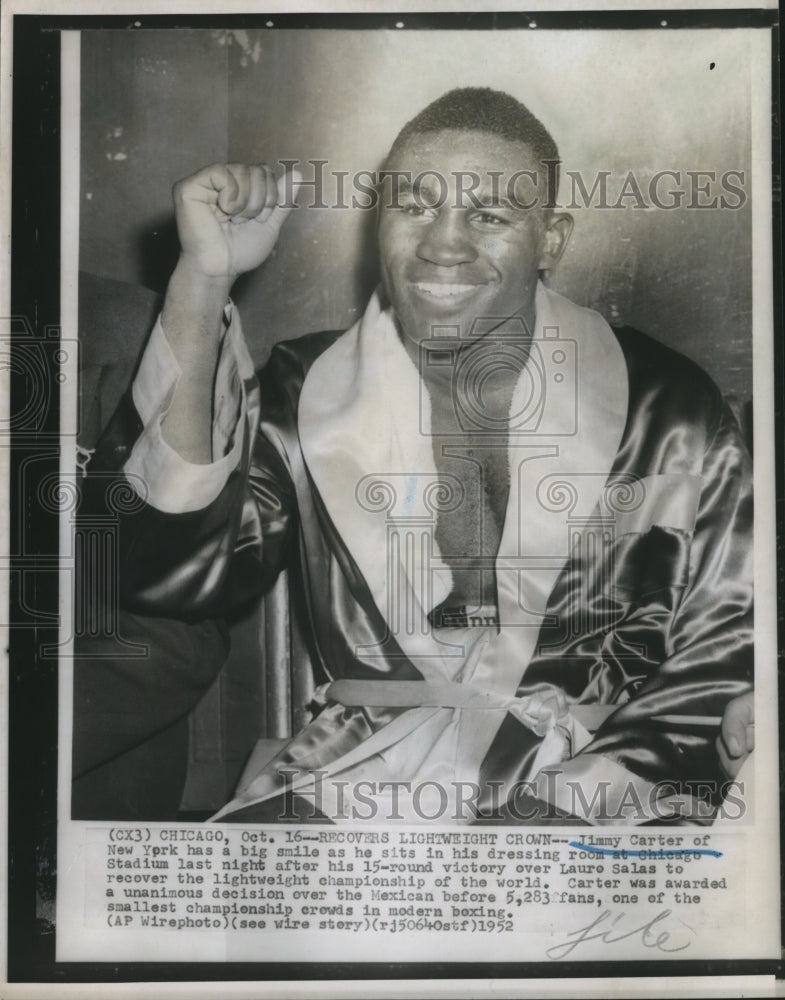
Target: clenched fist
x,y
229,216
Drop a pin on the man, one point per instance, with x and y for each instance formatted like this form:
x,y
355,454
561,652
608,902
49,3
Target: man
x,y
523,539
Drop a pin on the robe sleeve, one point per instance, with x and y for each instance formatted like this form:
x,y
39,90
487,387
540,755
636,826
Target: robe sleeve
x,y
154,469
709,646
193,541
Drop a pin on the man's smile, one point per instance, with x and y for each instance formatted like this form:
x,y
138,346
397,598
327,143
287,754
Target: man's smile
x,y
444,291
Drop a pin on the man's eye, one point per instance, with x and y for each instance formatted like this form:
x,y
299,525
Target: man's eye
x,y
488,218
415,210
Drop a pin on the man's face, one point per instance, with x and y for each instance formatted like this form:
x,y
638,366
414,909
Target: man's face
x,y
457,247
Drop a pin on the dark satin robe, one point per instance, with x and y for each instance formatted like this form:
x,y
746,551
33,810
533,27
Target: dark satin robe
x,y
659,622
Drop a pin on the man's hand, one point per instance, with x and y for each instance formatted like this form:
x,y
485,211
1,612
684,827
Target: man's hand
x,y
229,216
737,734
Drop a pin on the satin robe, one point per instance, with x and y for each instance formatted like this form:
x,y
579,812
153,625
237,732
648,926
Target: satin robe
x,y
657,622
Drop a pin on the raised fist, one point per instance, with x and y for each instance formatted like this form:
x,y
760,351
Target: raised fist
x,y
229,216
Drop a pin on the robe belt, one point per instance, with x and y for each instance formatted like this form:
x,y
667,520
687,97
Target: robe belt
x,y
541,710
545,707
452,694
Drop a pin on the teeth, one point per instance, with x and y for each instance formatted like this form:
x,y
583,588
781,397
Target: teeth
x,y
442,291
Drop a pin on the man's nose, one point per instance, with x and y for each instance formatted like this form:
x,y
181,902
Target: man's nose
x,y
447,241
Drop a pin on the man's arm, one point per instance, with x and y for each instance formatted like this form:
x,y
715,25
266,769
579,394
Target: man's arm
x,y
711,637
182,438
228,220
710,649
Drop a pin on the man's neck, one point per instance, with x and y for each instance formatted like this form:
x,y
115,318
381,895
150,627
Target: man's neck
x,y
486,367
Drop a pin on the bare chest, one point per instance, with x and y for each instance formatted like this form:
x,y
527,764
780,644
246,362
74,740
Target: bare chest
x,y
475,467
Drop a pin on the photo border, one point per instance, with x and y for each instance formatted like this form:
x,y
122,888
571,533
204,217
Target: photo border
x,y
33,686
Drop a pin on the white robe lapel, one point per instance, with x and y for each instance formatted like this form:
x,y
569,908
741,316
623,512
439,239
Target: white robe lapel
x,y
559,463
360,417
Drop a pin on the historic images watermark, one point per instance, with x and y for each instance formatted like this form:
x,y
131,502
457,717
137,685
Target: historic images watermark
x,y
312,183
518,802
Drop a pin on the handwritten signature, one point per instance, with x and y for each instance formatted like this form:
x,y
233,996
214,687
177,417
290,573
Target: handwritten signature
x,y
609,928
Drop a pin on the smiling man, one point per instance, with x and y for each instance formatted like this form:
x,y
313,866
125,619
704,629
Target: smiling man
x,y
523,538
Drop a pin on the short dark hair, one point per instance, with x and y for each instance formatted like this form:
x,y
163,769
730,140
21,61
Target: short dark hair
x,y
480,109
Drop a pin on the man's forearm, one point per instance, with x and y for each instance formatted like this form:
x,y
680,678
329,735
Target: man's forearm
x,y
228,220
192,322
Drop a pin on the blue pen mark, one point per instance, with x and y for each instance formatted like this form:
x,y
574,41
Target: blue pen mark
x,y
410,498
628,853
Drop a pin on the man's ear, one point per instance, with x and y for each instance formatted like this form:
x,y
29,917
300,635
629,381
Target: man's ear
x,y
558,228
